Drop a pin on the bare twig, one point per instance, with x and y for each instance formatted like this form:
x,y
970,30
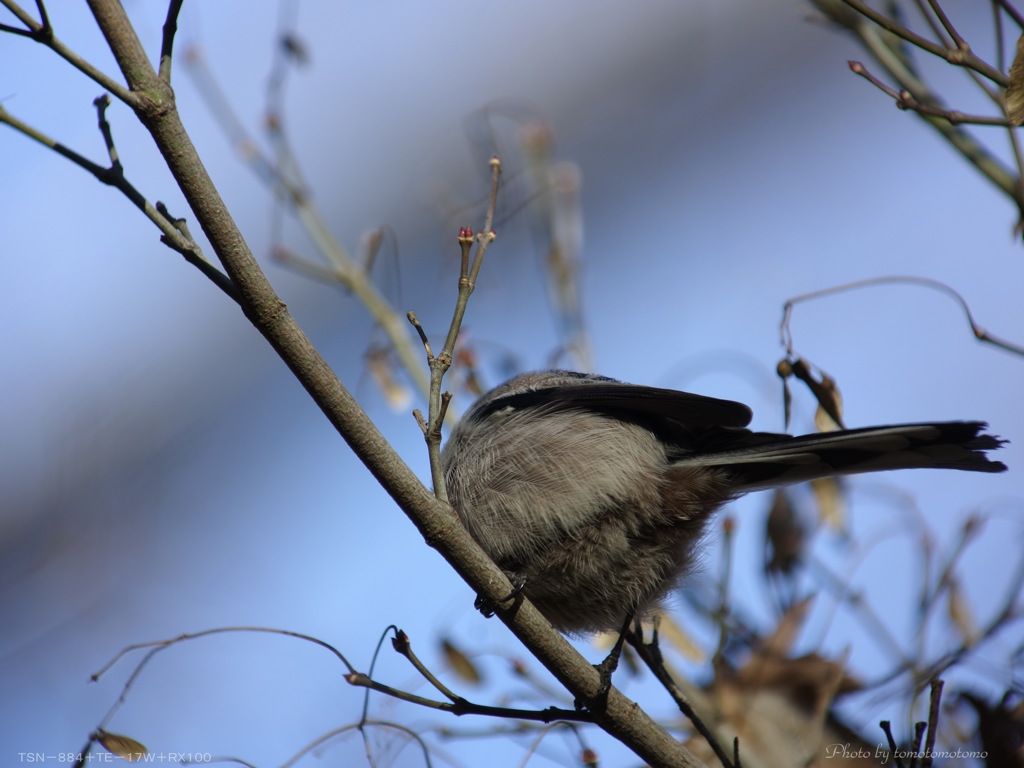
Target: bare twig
x,y
42,32
651,655
915,750
931,592
174,233
980,333
439,364
361,726
905,100
401,643
893,55
415,322
894,749
940,14
933,721
116,170
167,44
284,177
460,706
958,56
156,646
1011,11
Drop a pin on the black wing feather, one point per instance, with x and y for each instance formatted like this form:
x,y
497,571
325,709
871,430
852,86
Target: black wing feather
x,y
631,402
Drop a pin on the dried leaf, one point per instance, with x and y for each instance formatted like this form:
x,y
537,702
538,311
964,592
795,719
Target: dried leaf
x,y
960,614
829,414
775,723
824,389
828,493
785,535
460,663
785,370
812,676
124,747
468,363
370,247
780,642
677,637
1000,727
381,368
1015,90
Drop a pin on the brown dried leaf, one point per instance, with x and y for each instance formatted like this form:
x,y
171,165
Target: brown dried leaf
x,y
382,369
460,663
830,405
999,727
677,637
808,675
780,642
779,720
960,614
124,747
824,389
785,535
785,370
828,493
1015,90
467,361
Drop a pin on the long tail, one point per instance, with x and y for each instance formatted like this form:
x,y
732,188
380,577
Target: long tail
x,y
768,461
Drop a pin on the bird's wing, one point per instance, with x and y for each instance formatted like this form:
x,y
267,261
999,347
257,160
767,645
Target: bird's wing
x,y
631,402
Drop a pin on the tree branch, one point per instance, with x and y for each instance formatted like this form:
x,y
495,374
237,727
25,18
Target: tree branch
x,y
435,520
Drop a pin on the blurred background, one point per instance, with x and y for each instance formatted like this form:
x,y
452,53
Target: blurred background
x,y
163,473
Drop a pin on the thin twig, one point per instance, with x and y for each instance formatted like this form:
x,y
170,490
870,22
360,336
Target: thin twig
x,y
415,322
156,646
1011,11
42,33
362,727
290,187
652,657
401,643
486,236
167,43
979,333
461,706
1009,613
953,56
905,100
101,103
442,361
933,721
896,60
932,592
940,14
894,750
174,234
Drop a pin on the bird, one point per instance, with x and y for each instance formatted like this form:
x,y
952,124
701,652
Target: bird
x,y
593,495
